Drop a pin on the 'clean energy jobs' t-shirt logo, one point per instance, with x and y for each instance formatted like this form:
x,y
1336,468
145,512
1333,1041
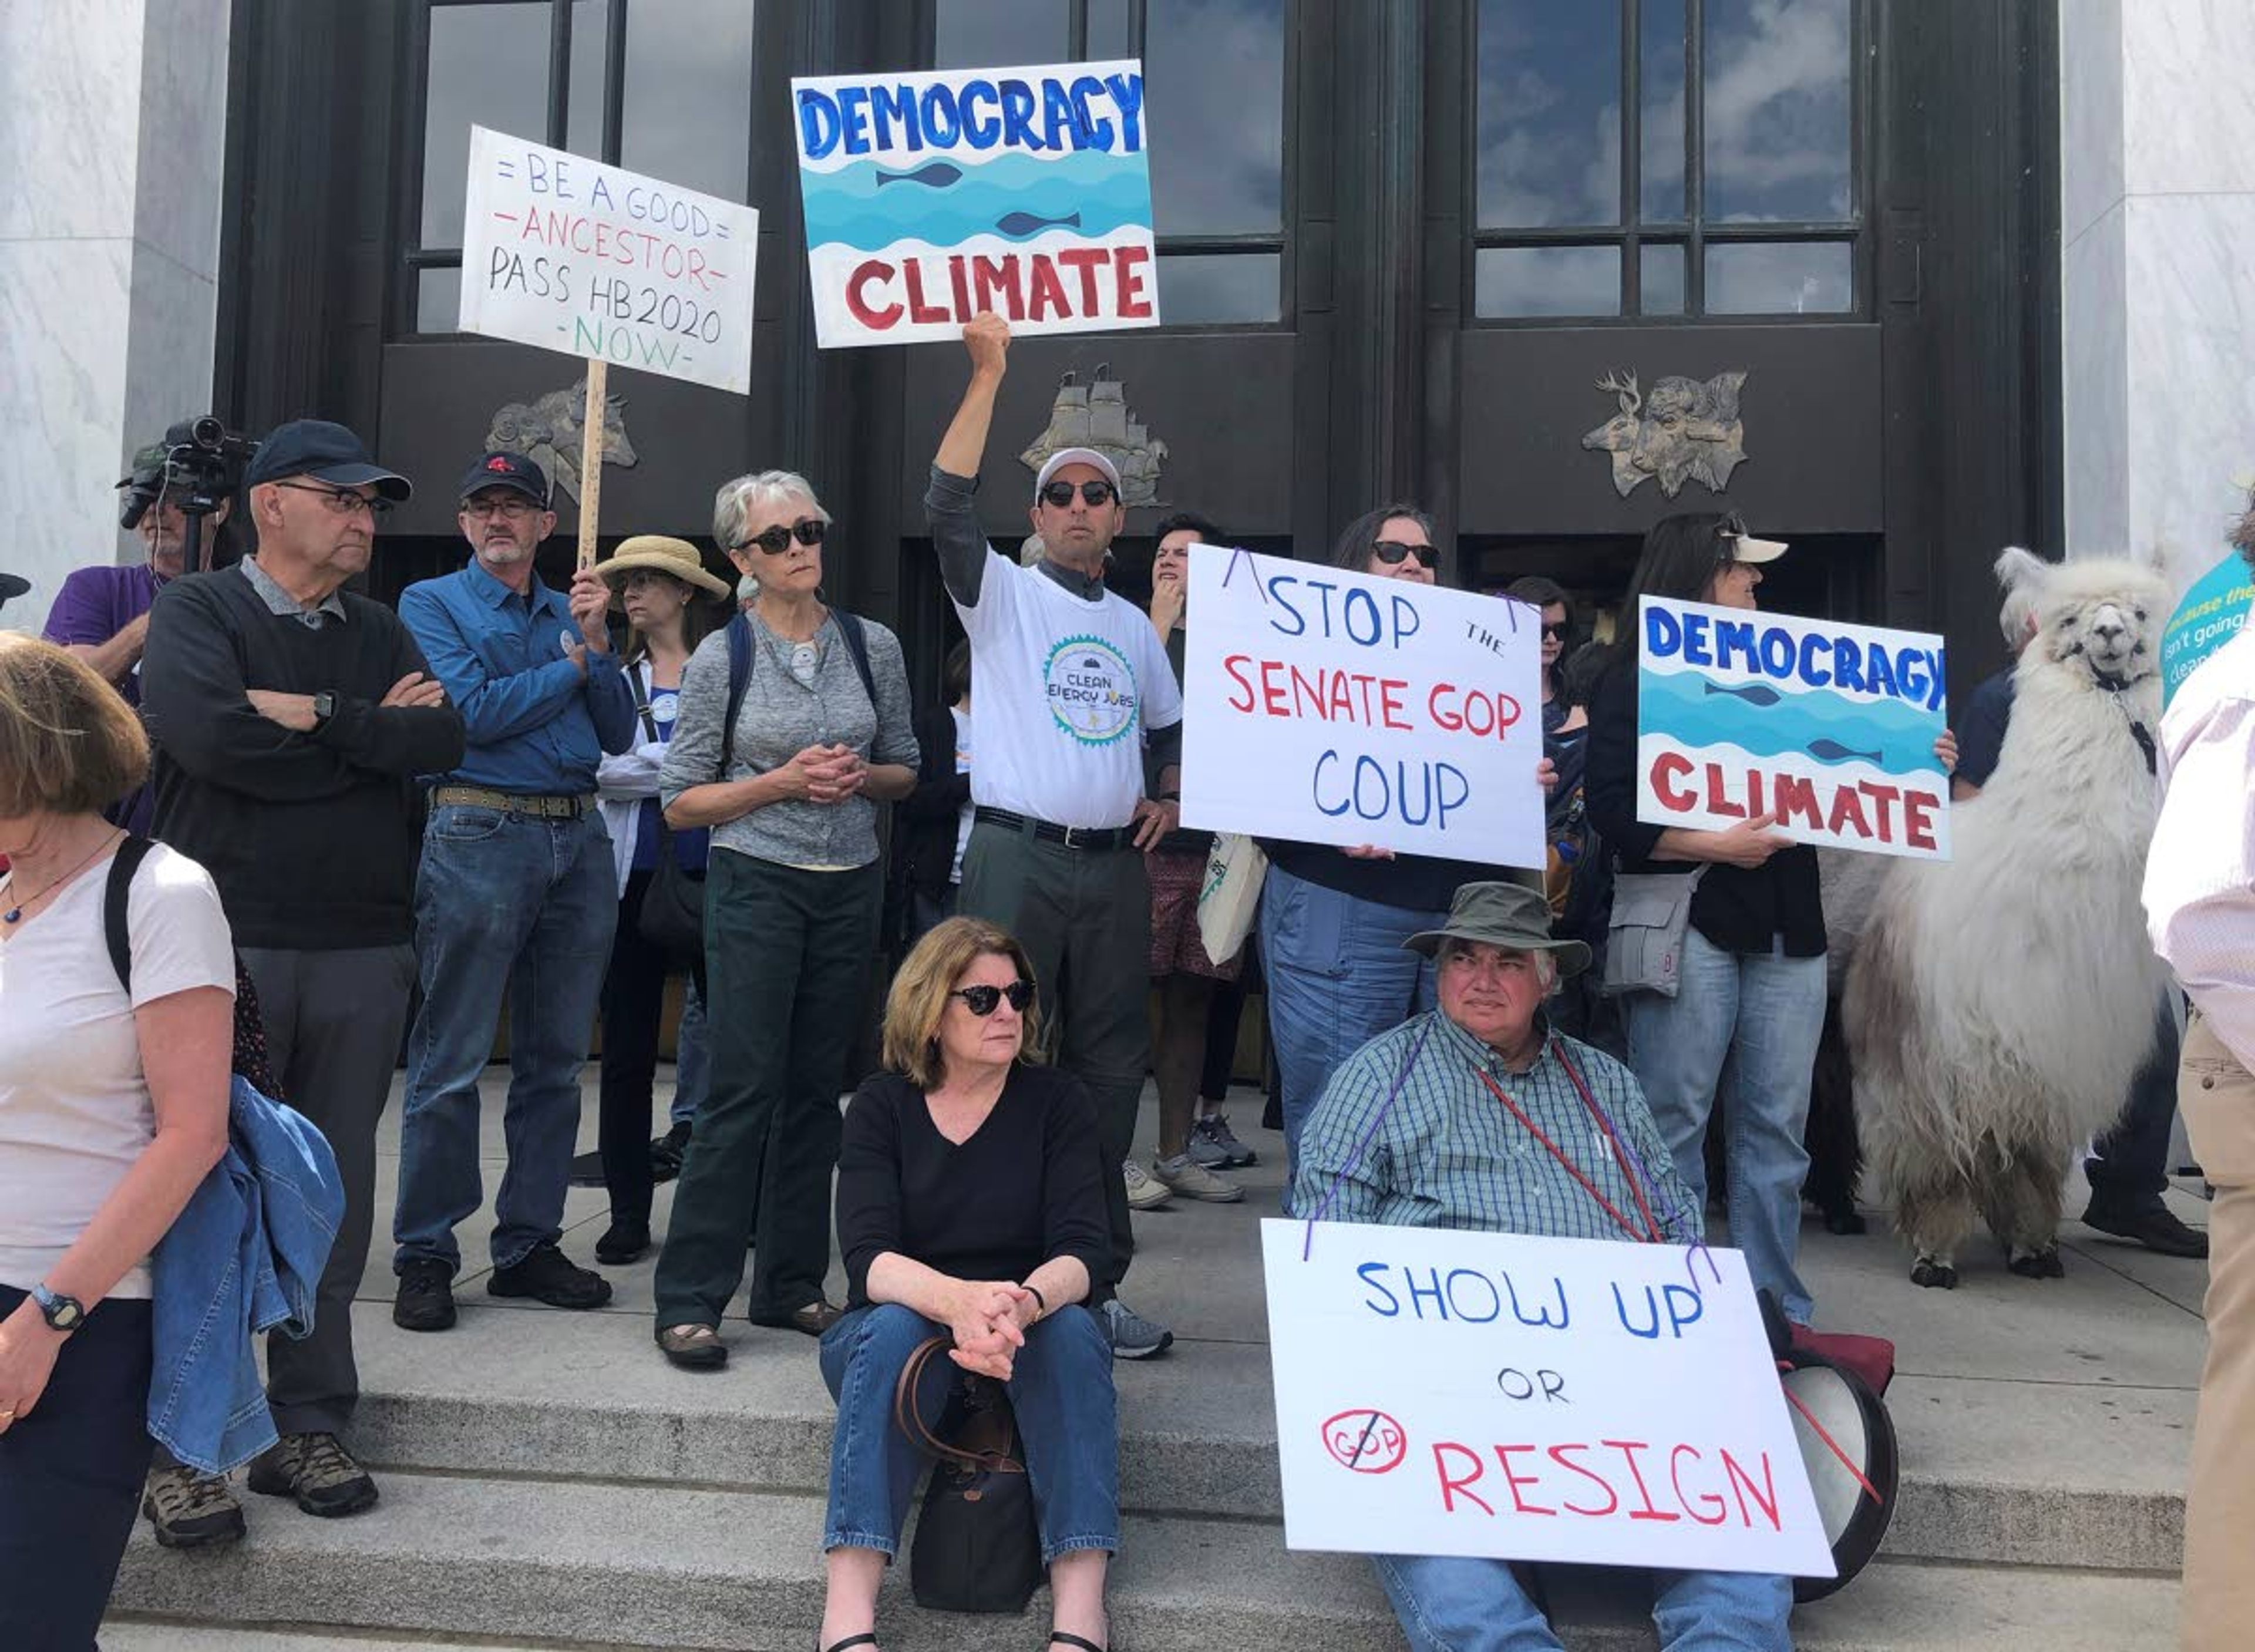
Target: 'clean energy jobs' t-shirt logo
x,y
1091,690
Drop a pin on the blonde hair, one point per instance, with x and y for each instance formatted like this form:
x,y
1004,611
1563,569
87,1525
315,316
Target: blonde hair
x,y
926,981
69,744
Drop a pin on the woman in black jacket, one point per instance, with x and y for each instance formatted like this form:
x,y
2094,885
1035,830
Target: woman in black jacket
x,y
935,818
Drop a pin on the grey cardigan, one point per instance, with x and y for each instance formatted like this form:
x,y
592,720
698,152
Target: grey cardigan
x,y
782,717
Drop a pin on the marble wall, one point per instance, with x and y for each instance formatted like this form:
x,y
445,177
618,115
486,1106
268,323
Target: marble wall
x,y
2158,322
113,119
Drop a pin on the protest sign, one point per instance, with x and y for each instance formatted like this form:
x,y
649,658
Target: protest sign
x,y
1531,1399
1829,726
931,197
2210,616
1334,707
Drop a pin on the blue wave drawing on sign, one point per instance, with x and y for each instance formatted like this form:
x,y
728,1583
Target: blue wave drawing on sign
x,y
845,207
1825,727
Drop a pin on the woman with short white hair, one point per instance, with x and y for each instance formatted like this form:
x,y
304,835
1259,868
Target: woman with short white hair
x,y
794,725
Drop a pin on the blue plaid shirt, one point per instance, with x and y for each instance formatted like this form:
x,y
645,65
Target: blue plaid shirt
x,y
1447,1154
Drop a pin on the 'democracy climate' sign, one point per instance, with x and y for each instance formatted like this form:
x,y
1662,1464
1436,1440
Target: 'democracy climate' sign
x,y
931,197
2210,616
1831,728
1327,706
1531,1399
568,254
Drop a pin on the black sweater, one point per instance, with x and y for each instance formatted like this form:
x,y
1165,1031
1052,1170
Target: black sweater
x,y
1027,1188
1738,910
310,837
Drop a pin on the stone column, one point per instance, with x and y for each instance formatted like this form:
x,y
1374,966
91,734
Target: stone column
x,y
113,118
2158,308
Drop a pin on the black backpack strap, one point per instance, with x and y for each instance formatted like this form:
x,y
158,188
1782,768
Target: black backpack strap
x,y
857,644
115,896
741,657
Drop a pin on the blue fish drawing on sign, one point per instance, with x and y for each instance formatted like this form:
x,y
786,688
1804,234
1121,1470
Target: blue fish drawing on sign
x,y
1833,751
933,175
1025,223
1752,693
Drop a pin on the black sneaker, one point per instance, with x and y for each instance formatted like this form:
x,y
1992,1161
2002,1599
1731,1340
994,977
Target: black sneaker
x,y
316,1471
546,1274
622,1243
2152,1225
191,1510
425,1301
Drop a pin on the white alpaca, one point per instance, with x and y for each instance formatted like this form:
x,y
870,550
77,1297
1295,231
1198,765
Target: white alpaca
x,y
2001,1000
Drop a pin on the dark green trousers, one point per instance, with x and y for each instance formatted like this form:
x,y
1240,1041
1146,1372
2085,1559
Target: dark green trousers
x,y
787,957
1085,919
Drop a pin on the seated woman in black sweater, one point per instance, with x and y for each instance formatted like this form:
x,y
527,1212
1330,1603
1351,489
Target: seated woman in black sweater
x,y
971,1205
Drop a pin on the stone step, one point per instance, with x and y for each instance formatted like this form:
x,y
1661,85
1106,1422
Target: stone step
x,y
127,1634
2065,1476
463,1559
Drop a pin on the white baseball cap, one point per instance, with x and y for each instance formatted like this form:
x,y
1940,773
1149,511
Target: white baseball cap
x,y
1088,456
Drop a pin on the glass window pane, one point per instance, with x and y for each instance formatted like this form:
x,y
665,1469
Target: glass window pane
x,y
583,103
1548,114
688,104
488,66
1202,289
1776,110
1780,278
439,301
1659,279
1547,281
1215,74
987,34
1660,46
1111,30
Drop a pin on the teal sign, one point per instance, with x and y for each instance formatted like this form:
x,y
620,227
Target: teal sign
x,y
2210,616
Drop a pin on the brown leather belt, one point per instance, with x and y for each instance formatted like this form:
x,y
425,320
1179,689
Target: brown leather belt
x,y
546,808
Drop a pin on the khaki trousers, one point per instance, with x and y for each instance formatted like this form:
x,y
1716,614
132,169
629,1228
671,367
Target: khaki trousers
x,y
2217,1096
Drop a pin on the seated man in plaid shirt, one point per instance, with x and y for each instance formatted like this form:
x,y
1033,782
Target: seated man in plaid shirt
x,y
1478,1116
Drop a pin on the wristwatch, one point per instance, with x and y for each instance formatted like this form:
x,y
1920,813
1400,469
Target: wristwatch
x,y
62,1313
324,706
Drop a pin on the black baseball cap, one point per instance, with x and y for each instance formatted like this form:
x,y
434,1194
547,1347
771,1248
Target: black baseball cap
x,y
513,471
327,453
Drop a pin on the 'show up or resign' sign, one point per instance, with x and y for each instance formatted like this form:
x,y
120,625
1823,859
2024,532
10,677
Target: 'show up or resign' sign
x,y
1326,707
568,254
931,197
1830,727
1531,1399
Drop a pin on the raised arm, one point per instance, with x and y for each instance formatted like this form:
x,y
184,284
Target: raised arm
x,y
948,503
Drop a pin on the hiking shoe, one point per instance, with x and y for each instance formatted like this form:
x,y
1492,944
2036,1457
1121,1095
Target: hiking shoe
x,y
189,1511
1143,1193
1133,1336
425,1301
1181,1175
1204,1149
546,1274
316,1471
1215,1128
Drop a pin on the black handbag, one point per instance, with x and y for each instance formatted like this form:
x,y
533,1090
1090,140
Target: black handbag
x,y
673,915
976,1547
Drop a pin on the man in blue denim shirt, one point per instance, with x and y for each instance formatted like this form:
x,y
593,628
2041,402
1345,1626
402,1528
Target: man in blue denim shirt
x,y
516,892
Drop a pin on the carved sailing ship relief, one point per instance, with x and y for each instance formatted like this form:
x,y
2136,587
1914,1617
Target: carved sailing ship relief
x,y
1096,415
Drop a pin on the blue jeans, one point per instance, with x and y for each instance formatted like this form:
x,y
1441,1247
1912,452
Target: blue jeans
x,y
1742,1031
692,1065
1337,978
1060,1389
1448,1603
502,901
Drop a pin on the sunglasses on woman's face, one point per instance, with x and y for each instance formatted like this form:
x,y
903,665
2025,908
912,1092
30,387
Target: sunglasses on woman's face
x,y
1390,552
1058,494
776,540
983,1000
1554,633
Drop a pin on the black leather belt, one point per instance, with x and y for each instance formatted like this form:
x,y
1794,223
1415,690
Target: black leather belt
x,y
1096,838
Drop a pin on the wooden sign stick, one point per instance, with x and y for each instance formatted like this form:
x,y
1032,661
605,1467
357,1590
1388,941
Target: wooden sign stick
x,y
591,459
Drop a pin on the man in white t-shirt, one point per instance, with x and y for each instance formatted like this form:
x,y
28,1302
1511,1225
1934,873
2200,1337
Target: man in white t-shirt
x,y
1075,697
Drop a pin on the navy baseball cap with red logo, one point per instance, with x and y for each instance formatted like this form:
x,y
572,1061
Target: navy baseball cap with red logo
x,y
513,471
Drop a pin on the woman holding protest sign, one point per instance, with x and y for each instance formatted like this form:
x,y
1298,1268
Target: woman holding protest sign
x,y
1717,942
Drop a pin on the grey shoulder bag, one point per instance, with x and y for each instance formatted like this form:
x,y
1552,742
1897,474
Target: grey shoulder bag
x,y
1644,939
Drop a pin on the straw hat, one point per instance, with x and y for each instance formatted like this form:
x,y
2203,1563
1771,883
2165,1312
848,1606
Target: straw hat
x,y
662,555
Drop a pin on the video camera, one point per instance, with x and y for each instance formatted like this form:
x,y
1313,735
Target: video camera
x,y
199,465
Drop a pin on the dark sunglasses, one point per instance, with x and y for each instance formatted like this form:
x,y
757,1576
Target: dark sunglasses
x,y
984,1000
1390,552
1058,494
1557,631
776,540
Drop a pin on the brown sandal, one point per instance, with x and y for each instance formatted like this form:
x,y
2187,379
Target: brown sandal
x,y
693,1347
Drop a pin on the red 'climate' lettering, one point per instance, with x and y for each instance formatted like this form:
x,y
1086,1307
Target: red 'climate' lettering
x,y
1668,770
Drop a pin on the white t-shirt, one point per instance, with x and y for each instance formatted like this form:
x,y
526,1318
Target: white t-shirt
x,y
75,1109
962,767
1067,689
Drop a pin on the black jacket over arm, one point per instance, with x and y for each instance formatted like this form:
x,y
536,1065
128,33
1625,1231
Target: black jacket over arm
x,y
930,814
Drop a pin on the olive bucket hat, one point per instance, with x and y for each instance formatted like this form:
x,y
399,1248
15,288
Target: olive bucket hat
x,y
1507,914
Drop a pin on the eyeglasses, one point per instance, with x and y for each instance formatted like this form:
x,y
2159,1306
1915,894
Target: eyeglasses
x,y
808,531
1058,494
1390,552
1555,632
343,500
983,1000
515,508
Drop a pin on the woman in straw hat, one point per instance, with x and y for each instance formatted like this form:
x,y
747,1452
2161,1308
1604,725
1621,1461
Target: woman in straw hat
x,y
659,582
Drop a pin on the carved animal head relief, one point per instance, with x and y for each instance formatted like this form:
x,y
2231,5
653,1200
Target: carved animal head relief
x,y
1683,429
548,432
